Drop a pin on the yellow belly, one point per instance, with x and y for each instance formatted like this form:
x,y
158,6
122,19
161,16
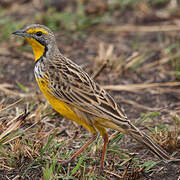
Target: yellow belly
x,y
61,107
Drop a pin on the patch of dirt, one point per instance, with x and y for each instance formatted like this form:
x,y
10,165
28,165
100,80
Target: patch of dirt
x,y
86,50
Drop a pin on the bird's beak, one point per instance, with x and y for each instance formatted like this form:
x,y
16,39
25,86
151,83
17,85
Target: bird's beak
x,y
21,33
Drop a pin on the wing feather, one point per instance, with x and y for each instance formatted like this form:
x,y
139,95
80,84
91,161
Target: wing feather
x,y
74,86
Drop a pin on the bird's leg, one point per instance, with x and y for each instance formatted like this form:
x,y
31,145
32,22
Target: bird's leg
x,y
105,137
81,149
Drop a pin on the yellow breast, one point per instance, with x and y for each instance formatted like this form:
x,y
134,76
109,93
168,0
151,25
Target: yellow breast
x,y
61,107
57,104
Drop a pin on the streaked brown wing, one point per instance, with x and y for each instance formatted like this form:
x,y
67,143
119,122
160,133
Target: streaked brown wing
x,y
69,83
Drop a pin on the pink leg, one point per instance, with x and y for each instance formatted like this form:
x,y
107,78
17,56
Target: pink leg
x,y
105,137
82,148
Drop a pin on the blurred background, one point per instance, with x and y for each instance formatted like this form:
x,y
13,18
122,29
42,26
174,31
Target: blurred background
x,y
130,47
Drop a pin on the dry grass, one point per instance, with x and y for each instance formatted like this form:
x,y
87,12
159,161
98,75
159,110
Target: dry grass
x,y
138,64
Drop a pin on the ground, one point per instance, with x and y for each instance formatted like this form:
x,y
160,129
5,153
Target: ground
x,y
133,48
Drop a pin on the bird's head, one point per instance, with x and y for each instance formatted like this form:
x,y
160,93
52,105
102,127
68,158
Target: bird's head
x,y
40,38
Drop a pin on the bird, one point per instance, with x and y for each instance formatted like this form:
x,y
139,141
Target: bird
x,y
76,96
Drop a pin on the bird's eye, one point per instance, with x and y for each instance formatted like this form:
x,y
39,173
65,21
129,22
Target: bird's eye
x,y
39,33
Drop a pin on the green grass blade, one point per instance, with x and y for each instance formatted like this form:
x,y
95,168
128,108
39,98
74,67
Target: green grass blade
x,y
78,165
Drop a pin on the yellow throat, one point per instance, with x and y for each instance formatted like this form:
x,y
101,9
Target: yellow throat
x,y
38,49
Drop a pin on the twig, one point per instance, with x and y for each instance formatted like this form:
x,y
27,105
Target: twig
x,y
133,28
141,106
109,172
126,170
14,125
130,87
11,105
10,92
97,73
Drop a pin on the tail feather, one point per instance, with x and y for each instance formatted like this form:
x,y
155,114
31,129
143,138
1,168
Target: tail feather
x,y
128,128
148,142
